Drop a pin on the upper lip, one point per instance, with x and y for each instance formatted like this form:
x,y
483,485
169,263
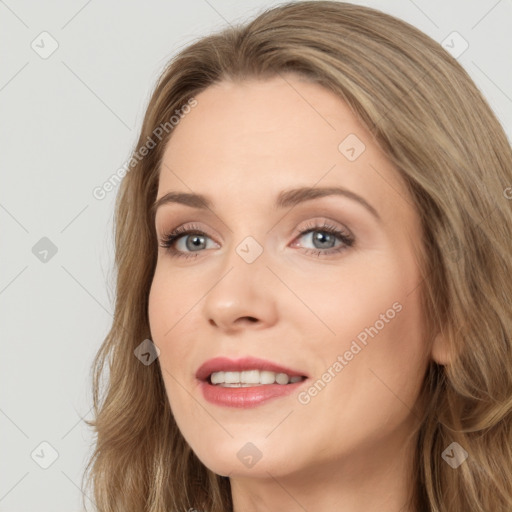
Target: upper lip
x,y
219,364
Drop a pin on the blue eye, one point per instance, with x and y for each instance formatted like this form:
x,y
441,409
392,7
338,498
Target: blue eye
x,y
324,234
169,241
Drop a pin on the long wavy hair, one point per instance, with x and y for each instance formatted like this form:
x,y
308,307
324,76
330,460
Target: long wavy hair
x,y
435,126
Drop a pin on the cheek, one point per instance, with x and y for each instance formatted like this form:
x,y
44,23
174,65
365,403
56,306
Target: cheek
x,y
160,299
340,303
378,298
168,306
166,313
374,316
382,344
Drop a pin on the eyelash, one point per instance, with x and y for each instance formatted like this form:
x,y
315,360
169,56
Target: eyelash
x,y
167,241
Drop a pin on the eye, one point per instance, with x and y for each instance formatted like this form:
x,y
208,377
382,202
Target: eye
x,y
323,236
194,238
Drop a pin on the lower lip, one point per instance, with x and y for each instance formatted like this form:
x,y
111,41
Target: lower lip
x,y
245,397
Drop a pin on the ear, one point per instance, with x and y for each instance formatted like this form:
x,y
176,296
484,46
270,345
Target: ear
x,y
440,350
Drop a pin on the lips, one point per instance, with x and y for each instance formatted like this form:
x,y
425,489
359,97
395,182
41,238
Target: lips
x,y
224,364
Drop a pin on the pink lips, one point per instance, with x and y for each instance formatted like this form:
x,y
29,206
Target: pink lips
x,y
244,397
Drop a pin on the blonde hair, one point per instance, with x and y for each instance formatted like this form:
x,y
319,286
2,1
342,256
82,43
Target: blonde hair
x,y
434,125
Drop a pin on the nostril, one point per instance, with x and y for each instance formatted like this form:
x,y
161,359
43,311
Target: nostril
x,y
248,319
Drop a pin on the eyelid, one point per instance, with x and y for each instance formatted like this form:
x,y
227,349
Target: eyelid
x,y
191,226
313,222
320,222
187,229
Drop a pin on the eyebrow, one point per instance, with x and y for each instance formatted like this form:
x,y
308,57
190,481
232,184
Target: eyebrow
x,y
285,199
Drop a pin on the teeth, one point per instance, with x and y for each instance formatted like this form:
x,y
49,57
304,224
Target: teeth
x,y
268,377
250,378
282,378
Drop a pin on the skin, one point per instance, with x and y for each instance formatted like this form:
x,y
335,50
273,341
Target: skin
x,y
346,448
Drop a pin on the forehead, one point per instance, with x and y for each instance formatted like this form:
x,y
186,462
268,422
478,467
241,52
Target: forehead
x,y
258,137
258,120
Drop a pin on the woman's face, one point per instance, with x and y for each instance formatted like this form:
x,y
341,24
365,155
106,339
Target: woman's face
x,y
338,304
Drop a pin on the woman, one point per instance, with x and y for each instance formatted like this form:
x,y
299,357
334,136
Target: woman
x,y
313,252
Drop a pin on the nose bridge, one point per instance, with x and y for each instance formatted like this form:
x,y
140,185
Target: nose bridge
x,y
249,249
247,240
245,261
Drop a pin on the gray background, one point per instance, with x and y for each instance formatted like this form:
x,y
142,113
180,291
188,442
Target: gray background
x,y
68,122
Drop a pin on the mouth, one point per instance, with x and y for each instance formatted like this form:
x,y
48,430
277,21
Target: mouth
x,y
247,382
247,372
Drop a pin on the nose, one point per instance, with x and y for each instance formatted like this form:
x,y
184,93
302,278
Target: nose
x,y
243,297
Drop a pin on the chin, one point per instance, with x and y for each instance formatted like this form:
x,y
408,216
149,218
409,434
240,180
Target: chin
x,y
230,468
243,458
